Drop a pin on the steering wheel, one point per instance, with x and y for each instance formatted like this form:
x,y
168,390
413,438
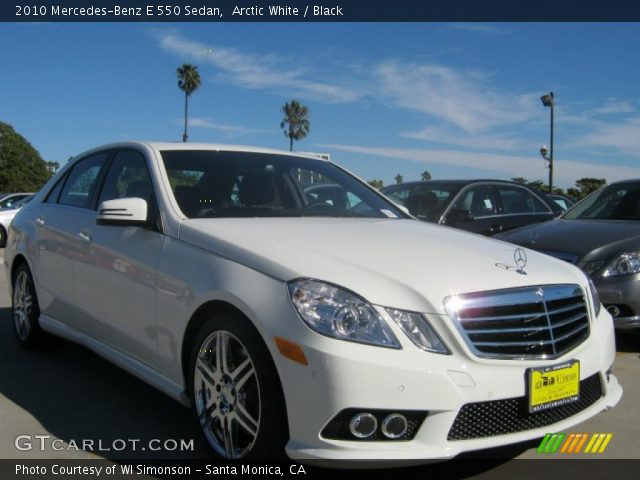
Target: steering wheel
x,y
317,206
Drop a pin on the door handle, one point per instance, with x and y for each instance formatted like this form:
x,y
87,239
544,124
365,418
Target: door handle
x,y
40,220
495,228
84,236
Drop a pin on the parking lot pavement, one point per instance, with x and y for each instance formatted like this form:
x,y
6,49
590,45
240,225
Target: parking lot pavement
x,y
72,394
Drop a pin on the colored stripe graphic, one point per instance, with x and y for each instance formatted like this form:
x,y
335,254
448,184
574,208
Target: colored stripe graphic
x,y
573,443
551,442
598,442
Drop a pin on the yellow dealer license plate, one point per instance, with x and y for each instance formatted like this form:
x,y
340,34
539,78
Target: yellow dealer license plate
x,y
553,386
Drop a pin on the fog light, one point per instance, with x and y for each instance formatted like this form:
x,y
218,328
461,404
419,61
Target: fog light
x,y
394,426
363,425
613,310
608,375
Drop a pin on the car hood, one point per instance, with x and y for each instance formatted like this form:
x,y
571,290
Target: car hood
x,y
404,264
581,237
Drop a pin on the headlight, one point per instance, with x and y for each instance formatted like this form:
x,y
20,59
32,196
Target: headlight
x,y
337,313
625,264
596,298
418,330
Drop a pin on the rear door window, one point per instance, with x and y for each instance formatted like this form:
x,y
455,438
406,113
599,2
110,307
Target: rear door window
x,y
80,187
479,200
516,200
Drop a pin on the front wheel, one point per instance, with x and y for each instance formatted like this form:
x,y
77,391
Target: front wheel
x,y
235,391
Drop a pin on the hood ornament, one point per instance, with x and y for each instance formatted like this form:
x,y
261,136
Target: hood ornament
x,y
520,257
520,260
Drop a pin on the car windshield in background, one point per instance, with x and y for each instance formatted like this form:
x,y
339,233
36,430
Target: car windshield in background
x,y
209,184
22,202
615,202
426,200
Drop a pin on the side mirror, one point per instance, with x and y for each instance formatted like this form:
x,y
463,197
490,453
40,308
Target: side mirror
x,y
124,212
459,215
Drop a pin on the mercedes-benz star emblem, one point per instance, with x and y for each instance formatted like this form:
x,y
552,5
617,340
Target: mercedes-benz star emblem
x,y
520,257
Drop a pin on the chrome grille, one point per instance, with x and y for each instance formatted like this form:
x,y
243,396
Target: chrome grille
x,y
531,322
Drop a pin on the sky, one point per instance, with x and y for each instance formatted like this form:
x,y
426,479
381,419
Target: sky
x,y
461,100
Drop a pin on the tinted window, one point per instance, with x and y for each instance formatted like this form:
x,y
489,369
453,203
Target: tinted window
x,y
128,176
244,184
54,194
424,200
24,201
82,182
518,200
478,200
615,202
11,200
398,195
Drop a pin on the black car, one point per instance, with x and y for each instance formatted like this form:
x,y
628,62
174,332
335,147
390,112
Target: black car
x,y
601,235
480,206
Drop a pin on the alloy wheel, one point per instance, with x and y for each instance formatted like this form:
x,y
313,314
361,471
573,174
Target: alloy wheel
x,y
227,395
22,305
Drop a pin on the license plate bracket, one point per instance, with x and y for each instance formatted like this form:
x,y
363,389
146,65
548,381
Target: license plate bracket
x,y
553,386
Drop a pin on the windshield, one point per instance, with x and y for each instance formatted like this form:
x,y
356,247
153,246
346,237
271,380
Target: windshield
x,y
209,184
22,202
10,201
615,202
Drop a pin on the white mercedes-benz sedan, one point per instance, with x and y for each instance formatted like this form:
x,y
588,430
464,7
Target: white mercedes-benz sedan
x,y
321,326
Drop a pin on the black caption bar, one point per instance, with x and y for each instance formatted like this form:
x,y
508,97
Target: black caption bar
x,y
292,470
319,10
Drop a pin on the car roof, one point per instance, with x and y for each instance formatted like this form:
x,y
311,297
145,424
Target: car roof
x,y
461,182
214,147
631,180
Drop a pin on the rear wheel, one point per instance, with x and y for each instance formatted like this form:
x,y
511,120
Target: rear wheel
x,y
235,391
25,310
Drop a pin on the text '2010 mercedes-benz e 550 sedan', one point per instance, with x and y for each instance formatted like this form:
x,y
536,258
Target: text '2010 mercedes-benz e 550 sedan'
x,y
295,321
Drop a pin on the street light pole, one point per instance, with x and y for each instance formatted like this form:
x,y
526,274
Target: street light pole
x,y
548,100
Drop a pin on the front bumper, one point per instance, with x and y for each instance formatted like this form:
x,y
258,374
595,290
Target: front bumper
x,y
622,292
342,375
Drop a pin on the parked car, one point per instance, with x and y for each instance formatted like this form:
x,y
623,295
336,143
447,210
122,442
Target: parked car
x,y
480,206
6,216
8,200
290,323
601,235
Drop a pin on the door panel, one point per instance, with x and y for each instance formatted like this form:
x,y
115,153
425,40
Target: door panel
x,y
116,271
53,264
58,246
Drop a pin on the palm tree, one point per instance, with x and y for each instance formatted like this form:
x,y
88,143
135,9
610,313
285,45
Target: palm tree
x,y
188,82
295,123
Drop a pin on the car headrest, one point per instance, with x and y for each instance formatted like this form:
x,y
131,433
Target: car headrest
x,y
256,188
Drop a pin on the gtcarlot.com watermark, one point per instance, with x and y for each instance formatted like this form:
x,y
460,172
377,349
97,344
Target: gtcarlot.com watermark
x,y
45,443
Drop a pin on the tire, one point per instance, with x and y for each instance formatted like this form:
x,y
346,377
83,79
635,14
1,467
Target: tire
x,y
3,237
25,310
238,403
